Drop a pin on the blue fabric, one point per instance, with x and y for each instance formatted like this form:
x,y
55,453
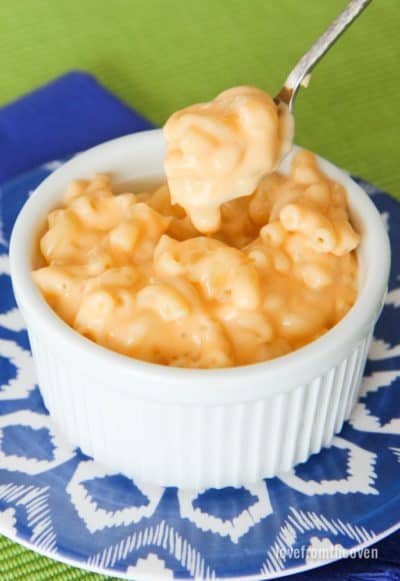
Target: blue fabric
x,y
73,113
69,114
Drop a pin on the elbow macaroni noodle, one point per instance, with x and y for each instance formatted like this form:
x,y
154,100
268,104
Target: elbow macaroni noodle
x,y
136,274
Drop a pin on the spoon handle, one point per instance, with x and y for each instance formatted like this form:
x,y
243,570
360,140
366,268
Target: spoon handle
x,y
318,49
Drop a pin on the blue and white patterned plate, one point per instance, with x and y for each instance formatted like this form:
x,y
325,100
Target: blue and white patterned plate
x,y
63,504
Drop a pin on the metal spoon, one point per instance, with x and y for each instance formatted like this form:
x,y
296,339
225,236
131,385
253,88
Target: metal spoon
x,y
299,74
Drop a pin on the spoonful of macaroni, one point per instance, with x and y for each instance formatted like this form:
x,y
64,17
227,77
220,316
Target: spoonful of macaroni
x,y
220,150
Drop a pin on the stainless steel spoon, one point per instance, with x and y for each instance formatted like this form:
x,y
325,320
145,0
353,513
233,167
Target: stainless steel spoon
x,y
299,74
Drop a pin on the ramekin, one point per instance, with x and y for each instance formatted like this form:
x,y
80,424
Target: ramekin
x,y
184,427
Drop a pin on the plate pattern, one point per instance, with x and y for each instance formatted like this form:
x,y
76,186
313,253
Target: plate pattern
x,y
60,502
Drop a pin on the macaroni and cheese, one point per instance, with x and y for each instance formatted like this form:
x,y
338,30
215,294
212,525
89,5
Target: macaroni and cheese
x,y
135,273
219,151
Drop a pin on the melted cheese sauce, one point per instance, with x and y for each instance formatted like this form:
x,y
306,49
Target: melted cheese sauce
x,y
134,274
219,151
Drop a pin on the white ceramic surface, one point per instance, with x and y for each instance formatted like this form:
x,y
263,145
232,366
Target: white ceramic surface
x,y
194,428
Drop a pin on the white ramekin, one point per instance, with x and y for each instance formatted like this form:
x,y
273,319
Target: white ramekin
x,y
194,428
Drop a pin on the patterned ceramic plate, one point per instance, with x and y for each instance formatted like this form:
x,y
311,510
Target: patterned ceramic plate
x,y
63,504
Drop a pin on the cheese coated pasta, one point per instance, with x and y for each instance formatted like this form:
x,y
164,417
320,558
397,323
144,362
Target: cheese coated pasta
x,y
133,272
219,151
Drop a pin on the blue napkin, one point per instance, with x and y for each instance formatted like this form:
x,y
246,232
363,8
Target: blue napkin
x,y
69,114
73,113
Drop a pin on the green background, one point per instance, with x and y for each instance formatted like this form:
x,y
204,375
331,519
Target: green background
x,y
159,55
